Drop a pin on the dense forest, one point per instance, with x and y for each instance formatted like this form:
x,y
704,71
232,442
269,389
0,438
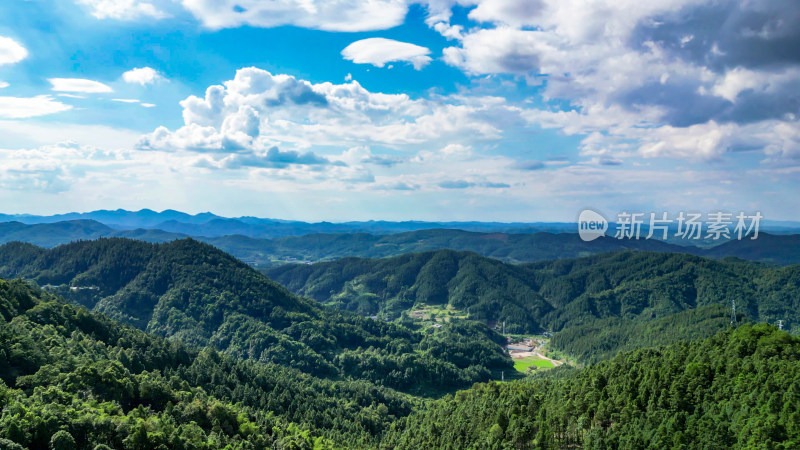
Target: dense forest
x,y
70,378
195,293
137,346
737,389
596,305
73,379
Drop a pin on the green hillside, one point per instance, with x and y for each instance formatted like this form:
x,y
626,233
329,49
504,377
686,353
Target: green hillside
x,y
230,359
739,389
65,370
196,294
596,305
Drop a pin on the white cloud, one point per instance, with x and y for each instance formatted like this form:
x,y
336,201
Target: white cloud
x,y
330,15
635,75
3,85
705,141
25,107
740,79
500,50
258,110
123,9
125,100
142,76
79,85
508,12
379,51
11,51
148,105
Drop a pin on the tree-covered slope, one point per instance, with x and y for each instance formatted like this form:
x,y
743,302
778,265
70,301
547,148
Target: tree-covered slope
x,y
738,389
195,293
70,375
597,305
484,288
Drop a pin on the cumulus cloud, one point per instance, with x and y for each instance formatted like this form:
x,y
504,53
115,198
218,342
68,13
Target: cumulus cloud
x,y
272,158
330,15
26,107
698,68
257,110
498,50
142,76
11,51
79,85
123,9
379,51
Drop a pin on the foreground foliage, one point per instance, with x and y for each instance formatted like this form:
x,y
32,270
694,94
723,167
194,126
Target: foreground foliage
x,y
738,389
63,368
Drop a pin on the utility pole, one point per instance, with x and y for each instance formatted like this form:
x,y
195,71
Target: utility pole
x,y
733,312
780,324
502,375
504,328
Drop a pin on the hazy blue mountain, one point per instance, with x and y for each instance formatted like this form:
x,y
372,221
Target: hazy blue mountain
x,y
508,247
117,218
52,234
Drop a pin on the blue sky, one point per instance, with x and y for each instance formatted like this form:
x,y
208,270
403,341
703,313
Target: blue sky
x,y
504,110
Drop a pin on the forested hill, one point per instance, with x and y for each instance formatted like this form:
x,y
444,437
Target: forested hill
x,y
597,305
739,389
484,288
70,378
199,295
74,379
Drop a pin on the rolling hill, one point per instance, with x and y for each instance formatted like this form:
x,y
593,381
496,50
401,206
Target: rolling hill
x,y
194,293
596,305
72,376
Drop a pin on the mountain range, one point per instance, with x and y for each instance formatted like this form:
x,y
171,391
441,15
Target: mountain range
x,y
211,225
129,344
515,248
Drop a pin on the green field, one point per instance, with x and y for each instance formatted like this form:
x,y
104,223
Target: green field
x,y
523,364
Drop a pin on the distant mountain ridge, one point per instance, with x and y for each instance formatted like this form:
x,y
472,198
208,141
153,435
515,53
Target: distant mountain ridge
x,y
515,248
212,225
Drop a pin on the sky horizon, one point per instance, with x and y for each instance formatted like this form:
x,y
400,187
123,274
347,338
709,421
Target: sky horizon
x,y
437,110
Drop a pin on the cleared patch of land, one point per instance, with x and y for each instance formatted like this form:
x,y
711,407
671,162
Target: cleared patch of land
x,y
436,313
525,363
